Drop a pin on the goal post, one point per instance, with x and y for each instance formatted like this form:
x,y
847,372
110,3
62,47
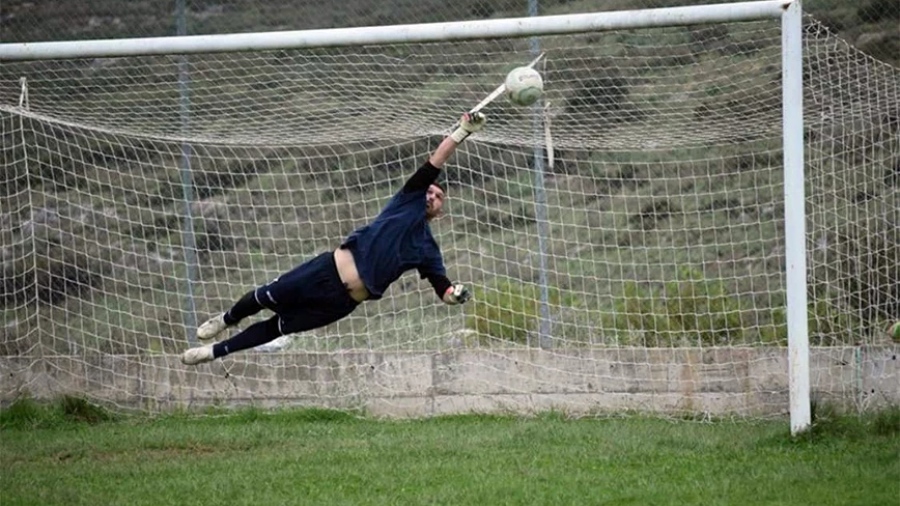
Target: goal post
x,y
795,216
667,242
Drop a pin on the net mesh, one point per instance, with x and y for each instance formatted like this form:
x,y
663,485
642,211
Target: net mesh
x,y
642,268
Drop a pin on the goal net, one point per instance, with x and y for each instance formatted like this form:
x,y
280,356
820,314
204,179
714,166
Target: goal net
x,y
633,259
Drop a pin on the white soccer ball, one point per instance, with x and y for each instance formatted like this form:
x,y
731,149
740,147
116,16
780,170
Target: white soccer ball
x,y
524,85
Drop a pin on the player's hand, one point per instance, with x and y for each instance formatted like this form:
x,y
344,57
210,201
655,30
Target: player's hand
x,y
457,294
472,122
469,123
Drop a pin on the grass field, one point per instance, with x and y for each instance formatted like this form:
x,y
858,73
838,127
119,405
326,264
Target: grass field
x,y
52,456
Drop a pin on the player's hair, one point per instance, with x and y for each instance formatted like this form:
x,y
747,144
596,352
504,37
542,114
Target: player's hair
x,y
441,186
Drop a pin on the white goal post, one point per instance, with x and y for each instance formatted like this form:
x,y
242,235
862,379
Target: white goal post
x,y
795,272
400,34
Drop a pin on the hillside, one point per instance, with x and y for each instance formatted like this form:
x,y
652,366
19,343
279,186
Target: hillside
x,y
666,189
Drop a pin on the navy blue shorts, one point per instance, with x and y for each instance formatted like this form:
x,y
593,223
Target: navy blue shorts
x,y
307,297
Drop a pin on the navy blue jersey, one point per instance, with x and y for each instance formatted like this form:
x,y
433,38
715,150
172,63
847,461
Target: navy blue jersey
x,y
399,239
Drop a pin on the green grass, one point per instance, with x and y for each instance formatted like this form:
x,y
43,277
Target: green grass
x,y
58,455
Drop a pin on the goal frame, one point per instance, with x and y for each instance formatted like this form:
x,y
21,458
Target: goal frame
x,y
788,11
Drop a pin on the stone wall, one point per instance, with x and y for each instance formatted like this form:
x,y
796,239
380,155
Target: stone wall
x,y
721,381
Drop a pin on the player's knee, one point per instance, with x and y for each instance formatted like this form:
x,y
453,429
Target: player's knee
x,y
264,298
274,327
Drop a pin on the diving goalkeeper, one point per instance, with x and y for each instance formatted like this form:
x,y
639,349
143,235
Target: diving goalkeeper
x,y
330,286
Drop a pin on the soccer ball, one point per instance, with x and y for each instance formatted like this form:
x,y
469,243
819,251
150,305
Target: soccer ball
x,y
524,86
894,332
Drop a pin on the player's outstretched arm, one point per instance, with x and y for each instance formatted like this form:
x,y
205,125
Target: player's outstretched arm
x,y
468,124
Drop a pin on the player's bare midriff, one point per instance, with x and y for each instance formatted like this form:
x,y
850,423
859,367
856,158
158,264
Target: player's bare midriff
x,y
346,267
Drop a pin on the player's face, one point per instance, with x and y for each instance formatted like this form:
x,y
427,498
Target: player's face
x,y
434,202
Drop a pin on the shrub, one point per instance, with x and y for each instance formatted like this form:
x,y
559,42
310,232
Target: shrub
x,y
692,310
827,324
508,310
868,257
686,311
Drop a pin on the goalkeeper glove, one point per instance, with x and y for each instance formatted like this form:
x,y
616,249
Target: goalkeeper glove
x,y
457,294
468,124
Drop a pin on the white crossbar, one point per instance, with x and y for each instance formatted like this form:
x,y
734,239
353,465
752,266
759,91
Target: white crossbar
x,y
397,34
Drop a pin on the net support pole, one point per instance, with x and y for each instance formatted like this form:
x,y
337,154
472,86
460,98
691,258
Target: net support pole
x,y
795,216
189,239
23,104
540,206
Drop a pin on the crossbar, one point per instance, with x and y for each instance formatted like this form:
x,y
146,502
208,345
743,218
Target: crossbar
x,y
396,34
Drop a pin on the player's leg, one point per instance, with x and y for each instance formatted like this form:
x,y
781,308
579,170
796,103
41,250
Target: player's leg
x,y
270,296
248,305
331,308
306,298
254,335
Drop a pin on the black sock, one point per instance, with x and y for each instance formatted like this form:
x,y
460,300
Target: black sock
x,y
243,308
254,335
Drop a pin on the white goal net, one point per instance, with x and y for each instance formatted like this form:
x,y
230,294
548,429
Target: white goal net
x,y
638,265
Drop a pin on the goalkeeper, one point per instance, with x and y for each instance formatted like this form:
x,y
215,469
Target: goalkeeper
x,y
330,286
